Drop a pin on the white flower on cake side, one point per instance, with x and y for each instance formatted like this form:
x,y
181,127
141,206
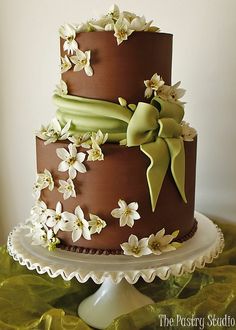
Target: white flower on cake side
x,y
99,137
54,132
126,213
153,85
65,64
57,220
82,61
96,223
188,132
122,30
61,88
135,247
176,93
160,242
43,180
38,213
67,188
45,237
95,153
78,225
68,33
81,140
71,161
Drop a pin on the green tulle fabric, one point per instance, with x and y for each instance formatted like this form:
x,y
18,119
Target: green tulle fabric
x,y
32,301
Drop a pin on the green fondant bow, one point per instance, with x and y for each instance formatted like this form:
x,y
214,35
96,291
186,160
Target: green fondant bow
x,y
154,127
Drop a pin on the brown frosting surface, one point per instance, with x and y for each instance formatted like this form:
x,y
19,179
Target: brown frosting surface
x,y
122,175
120,71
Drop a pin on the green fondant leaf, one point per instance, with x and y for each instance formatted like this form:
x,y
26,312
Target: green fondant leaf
x,y
143,125
158,153
169,128
176,148
168,109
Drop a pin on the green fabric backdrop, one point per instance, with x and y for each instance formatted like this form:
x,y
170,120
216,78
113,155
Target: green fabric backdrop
x,y
32,301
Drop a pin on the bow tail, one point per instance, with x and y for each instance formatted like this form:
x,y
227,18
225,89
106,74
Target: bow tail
x,y
159,156
177,154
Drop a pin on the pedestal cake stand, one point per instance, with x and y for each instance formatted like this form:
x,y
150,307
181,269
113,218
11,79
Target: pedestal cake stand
x,y
117,273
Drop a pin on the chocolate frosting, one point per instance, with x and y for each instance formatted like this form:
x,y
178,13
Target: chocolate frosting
x,y
122,175
120,71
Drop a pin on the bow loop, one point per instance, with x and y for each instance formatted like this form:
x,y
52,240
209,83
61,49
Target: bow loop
x,y
142,127
169,128
156,128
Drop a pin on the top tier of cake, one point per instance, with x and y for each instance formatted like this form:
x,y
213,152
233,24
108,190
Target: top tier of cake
x,y
119,71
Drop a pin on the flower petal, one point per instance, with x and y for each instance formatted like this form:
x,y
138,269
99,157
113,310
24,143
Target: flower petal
x,y
88,70
62,153
76,234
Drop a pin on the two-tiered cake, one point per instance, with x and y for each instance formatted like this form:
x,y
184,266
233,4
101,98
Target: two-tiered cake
x,y
116,167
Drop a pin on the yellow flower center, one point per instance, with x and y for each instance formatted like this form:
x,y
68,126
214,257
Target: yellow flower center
x,y
127,212
122,34
71,160
96,153
79,223
69,188
155,245
136,249
84,61
58,217
70,38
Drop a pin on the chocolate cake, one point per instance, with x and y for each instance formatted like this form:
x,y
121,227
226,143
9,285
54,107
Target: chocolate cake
x,y
116,167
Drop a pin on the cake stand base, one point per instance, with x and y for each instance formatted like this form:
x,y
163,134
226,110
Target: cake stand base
x,y
117,296
110,301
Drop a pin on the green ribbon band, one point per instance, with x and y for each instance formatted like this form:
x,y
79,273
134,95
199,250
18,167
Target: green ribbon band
x,y
154,127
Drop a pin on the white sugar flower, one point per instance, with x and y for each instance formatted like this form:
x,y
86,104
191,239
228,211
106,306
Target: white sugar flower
x,y
188,132
82,27
68,33
78,225
126,213
82,61
46,180
122,30
61,88
67,188
81,140
114,12
103,24
138,23
45,237
160,242
95,153
153,85
96,224
39,213
37,187
57,220
163,92
65,64
71,161
128,15
176,93
99,137
43,180
135,247
53,132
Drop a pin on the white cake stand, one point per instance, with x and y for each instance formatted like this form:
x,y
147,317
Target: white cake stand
x,y
117,295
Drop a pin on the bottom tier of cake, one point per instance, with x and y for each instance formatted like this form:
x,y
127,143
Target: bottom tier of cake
x,y
120,176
